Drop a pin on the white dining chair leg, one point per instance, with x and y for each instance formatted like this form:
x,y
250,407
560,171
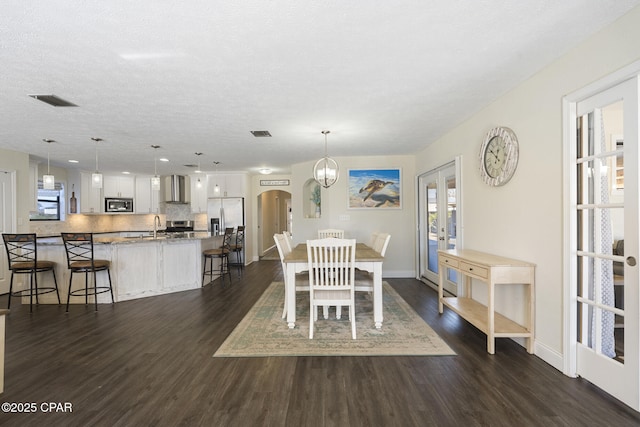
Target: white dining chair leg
x,y
352,317
284,309
312,318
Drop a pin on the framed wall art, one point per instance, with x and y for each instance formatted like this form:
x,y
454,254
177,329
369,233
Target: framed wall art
x,y
375,189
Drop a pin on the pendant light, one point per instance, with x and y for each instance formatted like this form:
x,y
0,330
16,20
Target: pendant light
x,y
96,177
155,180
198,183
216,189
326,171
48,181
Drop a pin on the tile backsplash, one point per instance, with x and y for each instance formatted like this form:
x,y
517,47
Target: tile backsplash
x,y
96,223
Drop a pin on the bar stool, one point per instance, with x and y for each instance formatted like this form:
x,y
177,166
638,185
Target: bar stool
x,y
80,259
221,253
22,255
237,249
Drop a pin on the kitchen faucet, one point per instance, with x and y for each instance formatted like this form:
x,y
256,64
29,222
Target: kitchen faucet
x,y
156,225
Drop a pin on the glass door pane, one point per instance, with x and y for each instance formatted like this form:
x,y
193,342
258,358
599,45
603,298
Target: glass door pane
x,y
432,230
600,219
439,222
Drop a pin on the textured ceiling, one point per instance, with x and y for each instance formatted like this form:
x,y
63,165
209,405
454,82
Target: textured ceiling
x,y
198,76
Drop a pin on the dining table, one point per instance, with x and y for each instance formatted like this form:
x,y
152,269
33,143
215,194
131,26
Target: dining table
x,y
367,259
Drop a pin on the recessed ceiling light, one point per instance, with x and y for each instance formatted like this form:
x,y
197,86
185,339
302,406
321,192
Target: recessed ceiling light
x,y
260,133
73,161
265,171
126,173
54,100
163,159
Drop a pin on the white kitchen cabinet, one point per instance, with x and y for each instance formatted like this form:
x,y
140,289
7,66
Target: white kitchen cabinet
x,y
198,193
146,199
229,185
118,186
90,198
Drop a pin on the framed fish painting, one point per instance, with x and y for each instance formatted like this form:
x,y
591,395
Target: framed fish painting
x,y
375,189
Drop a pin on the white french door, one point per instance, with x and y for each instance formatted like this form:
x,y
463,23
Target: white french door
x,y
439,221
604,241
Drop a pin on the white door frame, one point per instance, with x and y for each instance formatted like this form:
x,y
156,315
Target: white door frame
x,y
421,207
569,241
8,225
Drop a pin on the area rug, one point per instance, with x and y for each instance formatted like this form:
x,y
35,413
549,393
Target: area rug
x,y
263,332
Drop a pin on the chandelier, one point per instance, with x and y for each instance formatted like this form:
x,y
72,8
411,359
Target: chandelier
x,y
326,171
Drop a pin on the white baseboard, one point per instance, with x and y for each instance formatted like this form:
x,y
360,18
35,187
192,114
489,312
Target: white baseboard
x,y
398,274
549,355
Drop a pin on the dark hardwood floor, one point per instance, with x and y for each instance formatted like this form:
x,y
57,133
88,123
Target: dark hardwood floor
x,y
149,362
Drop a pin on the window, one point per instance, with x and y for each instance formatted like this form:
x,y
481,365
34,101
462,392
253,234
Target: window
x,y
49,205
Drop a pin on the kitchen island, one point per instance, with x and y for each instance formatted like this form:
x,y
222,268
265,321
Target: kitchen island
x,y
141,266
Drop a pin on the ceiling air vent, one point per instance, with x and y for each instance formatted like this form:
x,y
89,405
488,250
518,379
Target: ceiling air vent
x,y
260,133
53,100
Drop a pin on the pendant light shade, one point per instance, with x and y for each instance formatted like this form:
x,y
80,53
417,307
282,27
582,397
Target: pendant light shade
x,y
326,171
155,179
96,180
155,183
96,177
48,180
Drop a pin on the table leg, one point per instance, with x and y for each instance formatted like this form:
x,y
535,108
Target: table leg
x,y
290,289
377,294
441,269
491,339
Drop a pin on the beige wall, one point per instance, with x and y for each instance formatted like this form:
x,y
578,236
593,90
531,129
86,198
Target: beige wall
x,y
524,219
400,223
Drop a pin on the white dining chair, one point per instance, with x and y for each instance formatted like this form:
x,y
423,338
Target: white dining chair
x,y
381,243
331,232
373,238
301,283
364,280
288,239
331,277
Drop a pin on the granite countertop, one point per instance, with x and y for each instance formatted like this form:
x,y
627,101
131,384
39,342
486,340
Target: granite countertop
x,y
143,237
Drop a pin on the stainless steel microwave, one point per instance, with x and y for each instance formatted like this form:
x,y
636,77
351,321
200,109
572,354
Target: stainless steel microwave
x,y
118,205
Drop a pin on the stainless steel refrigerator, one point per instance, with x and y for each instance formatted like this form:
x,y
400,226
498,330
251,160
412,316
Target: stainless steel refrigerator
x,y
224,212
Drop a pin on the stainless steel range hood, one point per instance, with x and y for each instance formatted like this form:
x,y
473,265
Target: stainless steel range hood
x,y
177,189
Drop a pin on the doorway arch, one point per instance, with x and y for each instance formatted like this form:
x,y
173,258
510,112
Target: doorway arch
x,y
274,216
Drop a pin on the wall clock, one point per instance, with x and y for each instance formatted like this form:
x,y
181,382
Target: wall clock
x,y
498,156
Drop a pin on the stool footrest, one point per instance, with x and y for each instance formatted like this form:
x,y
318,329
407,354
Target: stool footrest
x,y
27,292
90,291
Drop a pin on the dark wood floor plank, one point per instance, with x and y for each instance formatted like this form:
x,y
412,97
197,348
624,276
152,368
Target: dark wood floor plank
x,y
149,362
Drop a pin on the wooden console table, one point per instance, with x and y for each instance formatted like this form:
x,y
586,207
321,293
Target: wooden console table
x,y
493,270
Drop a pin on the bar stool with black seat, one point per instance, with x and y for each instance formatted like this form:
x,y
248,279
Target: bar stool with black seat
x,y
22,255
221,253
237,249
80,259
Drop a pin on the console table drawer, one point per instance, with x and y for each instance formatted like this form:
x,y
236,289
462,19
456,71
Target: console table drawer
x,y
474,269
450,262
